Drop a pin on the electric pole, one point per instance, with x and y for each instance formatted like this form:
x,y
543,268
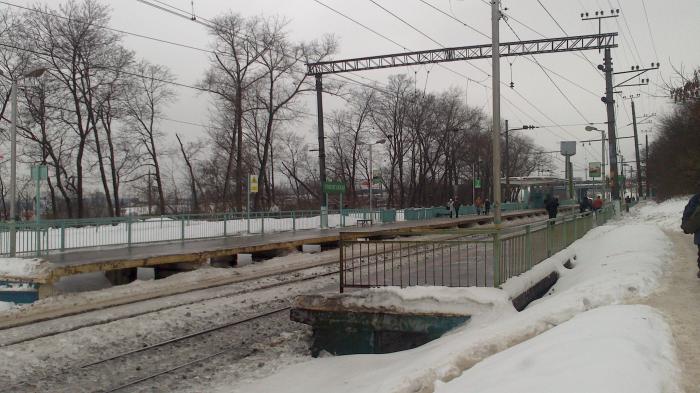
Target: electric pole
x,y
507,165
609,101
321,140
636,149
646,163
496,88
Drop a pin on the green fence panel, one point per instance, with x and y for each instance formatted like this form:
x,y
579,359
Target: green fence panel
x,y
388,215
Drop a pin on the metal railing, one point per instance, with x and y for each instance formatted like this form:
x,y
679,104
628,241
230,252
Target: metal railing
x,y
60,235
460,257
34,238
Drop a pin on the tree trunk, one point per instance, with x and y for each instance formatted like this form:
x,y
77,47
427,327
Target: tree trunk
x,y
193,184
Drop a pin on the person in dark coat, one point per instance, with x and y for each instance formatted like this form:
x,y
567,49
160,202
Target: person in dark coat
x,y
457,205
585,205
551,204
690,208
487,206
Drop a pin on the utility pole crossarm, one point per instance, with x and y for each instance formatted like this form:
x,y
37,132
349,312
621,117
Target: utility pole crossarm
x,y
516,48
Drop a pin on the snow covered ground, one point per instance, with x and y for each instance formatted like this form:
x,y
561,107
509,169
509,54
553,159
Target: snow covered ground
x,y
610,349
571,340
20,267
666,215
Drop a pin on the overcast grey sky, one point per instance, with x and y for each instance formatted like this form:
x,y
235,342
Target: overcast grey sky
x,y
674,28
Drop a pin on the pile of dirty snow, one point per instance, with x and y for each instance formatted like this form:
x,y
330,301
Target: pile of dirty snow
x,y
413,300
21,267
666,214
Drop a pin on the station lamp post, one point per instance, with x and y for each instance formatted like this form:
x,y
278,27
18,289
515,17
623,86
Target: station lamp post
x,y
371,174
602,158
13,153
507,133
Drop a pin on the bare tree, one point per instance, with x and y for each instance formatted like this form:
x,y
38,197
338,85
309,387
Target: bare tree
x,y
77,50
193,178
152,92
231,73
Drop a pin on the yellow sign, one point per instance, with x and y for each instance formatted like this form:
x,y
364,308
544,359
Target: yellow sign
x,y
253,183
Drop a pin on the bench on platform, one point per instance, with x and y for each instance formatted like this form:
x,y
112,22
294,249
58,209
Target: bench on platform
x,y
364,222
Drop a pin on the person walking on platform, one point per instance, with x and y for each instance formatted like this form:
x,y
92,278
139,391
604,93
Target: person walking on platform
x,y
691,222
451,207
597,204
487,206
585,205
551,204
456,207
477,205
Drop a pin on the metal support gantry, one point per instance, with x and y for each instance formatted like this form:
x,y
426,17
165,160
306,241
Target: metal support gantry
x,y
461,53
604,41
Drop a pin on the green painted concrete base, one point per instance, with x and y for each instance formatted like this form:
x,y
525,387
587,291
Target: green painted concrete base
x,y
352,332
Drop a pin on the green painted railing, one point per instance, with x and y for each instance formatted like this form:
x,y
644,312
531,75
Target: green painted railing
x,y
67,234
460,257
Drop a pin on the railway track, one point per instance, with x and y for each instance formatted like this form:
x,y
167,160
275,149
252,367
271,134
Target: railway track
x,y
106,362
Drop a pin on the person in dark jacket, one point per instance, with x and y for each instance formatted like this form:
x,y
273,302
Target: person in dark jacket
x,y
457,205
487,206
585,205
690,208
551,204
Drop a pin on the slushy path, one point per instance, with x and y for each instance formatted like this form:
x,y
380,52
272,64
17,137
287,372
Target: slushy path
x,y
679,300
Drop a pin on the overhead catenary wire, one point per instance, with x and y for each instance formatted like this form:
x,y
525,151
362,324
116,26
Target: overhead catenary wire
x,y
427,36
566,97
503,97
470,27
629,29
651,34
115,30
563,31
527,58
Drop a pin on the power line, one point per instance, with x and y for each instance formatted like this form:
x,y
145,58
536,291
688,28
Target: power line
x,y
527,58
456,19
249,39
406,23
427,36
151,38
651,35
564,31
108,68
550,78
629,30
361,24
505,98
528,27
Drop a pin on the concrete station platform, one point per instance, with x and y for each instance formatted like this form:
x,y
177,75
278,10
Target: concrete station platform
x,y
172,256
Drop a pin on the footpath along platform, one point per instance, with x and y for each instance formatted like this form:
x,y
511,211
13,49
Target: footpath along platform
x,y
200,251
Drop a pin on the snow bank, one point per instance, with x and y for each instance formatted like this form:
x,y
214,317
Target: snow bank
x,y
666,214
613,262
608,350
20,267
415,300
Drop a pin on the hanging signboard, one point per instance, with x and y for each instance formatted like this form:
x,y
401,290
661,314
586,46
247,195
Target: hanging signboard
x,y
595,169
